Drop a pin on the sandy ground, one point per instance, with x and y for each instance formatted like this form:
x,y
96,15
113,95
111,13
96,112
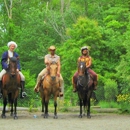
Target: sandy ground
x,y
66,121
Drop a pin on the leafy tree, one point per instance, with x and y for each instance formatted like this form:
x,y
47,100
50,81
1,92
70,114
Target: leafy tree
x,y
83,32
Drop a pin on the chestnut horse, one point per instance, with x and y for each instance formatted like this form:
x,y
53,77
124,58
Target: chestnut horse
x,y
50,86
10,87
84,88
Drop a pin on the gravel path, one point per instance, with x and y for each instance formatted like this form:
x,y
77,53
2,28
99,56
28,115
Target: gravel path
x,y
65,121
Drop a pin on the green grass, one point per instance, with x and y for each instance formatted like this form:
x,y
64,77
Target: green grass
x,y
112,104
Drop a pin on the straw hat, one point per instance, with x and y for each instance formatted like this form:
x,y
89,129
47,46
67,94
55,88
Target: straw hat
x,y
52,48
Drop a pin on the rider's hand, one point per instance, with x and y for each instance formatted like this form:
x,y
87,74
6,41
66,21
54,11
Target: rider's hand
x,y
17,70
58,74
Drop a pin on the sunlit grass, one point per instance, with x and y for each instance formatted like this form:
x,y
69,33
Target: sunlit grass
x,y
105,104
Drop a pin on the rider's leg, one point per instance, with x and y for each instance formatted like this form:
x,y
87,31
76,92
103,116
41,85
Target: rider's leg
x,y
39,78
23,93
94,78
74,80
1,75
0,89
61,85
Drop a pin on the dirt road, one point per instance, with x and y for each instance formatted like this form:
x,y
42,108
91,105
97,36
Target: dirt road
x,y
65,121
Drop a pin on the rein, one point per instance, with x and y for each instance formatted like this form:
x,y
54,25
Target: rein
x,y
49,81
83,76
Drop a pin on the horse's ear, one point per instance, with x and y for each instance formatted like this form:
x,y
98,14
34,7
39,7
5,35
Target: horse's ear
x,y
13,59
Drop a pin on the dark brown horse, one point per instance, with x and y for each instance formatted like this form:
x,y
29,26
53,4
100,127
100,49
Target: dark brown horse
x,y
84,88
10,88
50,86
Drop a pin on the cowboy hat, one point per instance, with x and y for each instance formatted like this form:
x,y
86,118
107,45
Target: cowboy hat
x,y
52,48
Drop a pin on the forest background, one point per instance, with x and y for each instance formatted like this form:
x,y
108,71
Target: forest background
x,y
102,25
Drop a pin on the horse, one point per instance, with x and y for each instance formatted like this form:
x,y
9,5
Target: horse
x,y
10,88
84,88
50,86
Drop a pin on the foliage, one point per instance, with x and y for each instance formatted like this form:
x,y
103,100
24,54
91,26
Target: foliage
x,y
84,27
110,104
110,89
100,24
124,102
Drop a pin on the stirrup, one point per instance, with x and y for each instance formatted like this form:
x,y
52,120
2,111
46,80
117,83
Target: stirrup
x,y
95,88
36,90
24,94
74,90
60,95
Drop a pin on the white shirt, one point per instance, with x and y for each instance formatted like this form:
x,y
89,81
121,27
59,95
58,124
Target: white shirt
x,y
10,53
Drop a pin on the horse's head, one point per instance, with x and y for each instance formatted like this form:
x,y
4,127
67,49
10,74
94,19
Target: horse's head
x,y
12,66
53,70
81,68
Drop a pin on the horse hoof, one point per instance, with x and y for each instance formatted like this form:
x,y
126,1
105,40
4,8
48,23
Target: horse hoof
x,y
3,116
11,114
80,116
88,116
15,117
55,117
45,116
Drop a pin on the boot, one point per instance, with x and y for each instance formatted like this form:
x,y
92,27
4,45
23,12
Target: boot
x,y
36,89
39,83
74,88
61,94
23,93
0,89
95,85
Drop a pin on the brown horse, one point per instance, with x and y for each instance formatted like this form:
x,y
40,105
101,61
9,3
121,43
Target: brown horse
x,y
50,86
10,87
84,88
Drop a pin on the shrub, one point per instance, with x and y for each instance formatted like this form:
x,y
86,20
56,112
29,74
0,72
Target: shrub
x,y
110,90
124,102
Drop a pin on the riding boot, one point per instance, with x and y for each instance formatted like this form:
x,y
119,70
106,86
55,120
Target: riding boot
x,y
74,88
36,88
61,94
0,89
23,93
95,85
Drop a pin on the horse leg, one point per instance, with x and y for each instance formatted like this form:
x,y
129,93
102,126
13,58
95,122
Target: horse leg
x,y
55,110
10,101
15,109
46,110
11,104
80,115
42,106
88,104
4,107
85,106
88,111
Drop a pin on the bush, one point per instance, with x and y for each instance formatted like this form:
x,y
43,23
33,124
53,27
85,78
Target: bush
x,y
110,90
124,102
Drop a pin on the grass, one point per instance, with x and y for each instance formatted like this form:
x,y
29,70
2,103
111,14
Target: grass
x,y
105,104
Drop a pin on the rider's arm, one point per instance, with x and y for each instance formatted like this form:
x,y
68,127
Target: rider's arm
x,y
89,62
4,60
46,61
59,66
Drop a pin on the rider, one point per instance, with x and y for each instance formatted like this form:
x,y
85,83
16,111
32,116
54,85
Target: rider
x,y
48,59
5,61
86,58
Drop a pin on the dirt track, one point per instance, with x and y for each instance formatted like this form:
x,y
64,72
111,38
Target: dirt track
x,y
65,121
